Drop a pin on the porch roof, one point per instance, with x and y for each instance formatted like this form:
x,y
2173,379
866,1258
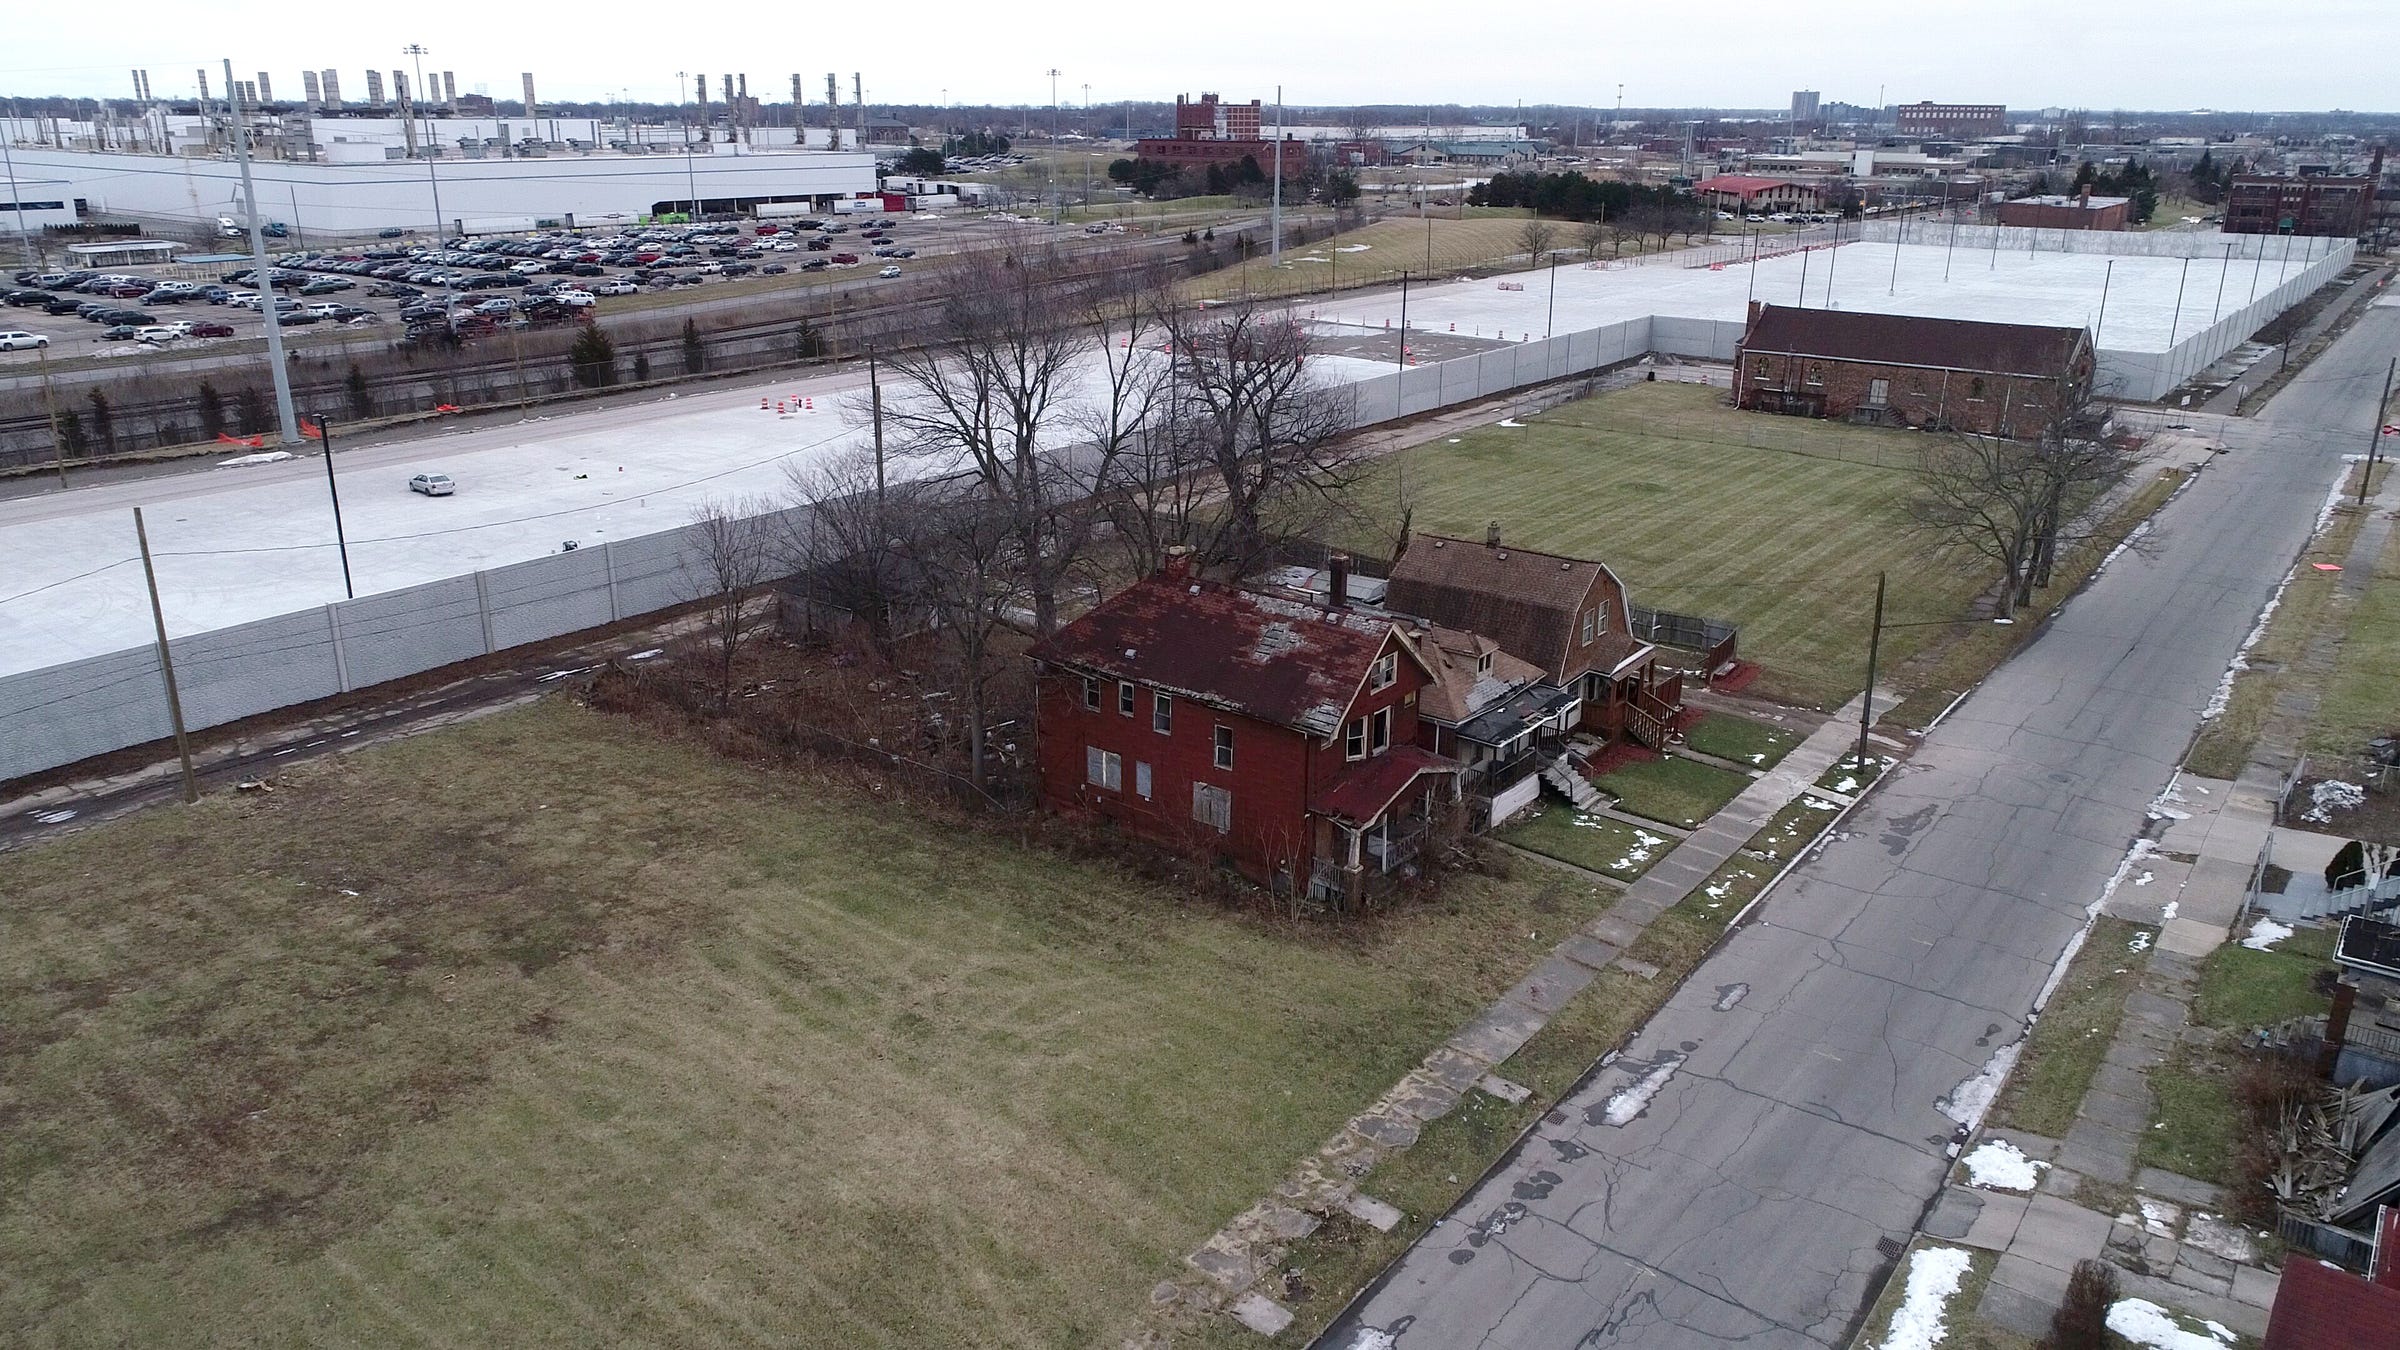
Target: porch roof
x,y
1364,791
1506,720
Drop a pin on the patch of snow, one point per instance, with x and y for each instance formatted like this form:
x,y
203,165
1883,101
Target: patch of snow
x,y
1818,803
2140,942
59,817
645,656
1999,1165
1730,995
2219,1237
1353,248
1934,1274
2166,912
1510,422
1847,787
2145,879
1630,1101
2159,1217
2146,1324
1373,1338
2330,796
2265,934
265,457
1969,1100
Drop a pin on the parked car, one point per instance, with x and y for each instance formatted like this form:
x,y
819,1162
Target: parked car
x,y
390,232
888,273
211,330
122,332
156,333
845,259
16,340
616,286
433,484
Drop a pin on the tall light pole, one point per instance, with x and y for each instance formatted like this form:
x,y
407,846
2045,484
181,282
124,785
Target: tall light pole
x,y
287,426
24,235
417,54
1058,203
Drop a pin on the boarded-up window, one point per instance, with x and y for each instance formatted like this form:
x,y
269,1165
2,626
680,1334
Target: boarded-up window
x,y
1141,780
1879,393
1212,806
1103,768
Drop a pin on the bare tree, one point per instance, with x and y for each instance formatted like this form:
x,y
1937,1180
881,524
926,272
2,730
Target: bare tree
x,y
957,558
979,394
840,548
1537,237
1590,236
1270,435
733,555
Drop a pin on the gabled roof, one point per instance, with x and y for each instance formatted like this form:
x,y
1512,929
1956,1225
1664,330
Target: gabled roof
x,y
1912,340
1362,791
2322,1307
1277,660
1459,691
1524,600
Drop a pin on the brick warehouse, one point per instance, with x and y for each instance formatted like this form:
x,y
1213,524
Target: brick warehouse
x,y
2307,204
1994,379
2080,212
1210,131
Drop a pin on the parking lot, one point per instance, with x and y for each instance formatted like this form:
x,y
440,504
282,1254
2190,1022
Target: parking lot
x,y
390,292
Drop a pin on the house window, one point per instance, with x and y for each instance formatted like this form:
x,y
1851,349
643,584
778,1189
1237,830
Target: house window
x,y
1141,780
1387,669
1879,393
1379,731
1354,739
1224,747
1758,369
1591,621
1816,373
1103,768
1091,692
1125,697
1975,389
1483,662
1162,714
1212,806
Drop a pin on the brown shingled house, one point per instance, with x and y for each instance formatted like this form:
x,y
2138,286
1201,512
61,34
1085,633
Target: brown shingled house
x,y
1564,617
1994,379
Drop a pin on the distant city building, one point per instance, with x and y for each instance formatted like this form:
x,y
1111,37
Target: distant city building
x,y
477,105
1209,131
2308,204
2082,212
1804,106
1951,119
1746,193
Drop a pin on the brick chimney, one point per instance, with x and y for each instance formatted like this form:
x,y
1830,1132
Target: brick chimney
x,y
1337,581
2084,198
1757,307
1178,564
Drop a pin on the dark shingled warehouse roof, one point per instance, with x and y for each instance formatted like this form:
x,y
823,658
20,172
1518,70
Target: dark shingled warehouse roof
x,y
1911,340
1281,661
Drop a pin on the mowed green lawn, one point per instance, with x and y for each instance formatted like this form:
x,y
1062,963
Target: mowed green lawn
x,y
540,1031
1706,510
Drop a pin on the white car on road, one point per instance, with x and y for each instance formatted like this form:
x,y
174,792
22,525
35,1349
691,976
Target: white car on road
x,y
156,333
575,299
17,340
616,286
432,484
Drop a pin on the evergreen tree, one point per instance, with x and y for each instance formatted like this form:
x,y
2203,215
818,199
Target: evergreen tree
x,y
593,357
251,407
695,353
70,434
104,420
362,395
212,411
641,367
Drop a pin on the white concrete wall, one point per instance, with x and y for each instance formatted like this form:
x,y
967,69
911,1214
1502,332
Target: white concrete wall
x,y
363,198
1514,799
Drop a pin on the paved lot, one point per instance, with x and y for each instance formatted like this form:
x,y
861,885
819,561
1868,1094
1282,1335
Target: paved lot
x,y
1741,1173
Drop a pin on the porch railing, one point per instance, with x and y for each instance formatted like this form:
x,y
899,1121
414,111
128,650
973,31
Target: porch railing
x,y
1394,848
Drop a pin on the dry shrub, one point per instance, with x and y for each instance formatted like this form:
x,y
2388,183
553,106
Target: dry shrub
x,y
2081,1322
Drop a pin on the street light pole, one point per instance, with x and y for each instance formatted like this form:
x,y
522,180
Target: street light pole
x,y
1866,703
417,54
286,425
2375,430
341,541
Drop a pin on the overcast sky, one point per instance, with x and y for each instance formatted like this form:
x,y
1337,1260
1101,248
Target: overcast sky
x,y
2163,54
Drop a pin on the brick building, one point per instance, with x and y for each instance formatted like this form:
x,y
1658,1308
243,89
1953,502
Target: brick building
x,y
1747,194
1951,119
2081,212
2306,204
1211,131
1998,379
1274,734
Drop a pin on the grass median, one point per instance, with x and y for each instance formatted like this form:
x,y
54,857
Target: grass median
x,y
2068,1043
541,1030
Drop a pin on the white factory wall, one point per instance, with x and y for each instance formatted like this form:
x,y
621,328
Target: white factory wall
x,y
362,198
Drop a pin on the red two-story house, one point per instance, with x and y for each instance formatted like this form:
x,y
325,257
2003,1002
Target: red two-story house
x,y
1274,734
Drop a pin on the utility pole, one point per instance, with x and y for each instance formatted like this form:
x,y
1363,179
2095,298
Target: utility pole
x,y
285,423
1866,704
166,659
341,541
2175,324
1550,319
1402,359
24,235
1275,210
2107,275
1058,203
58,443
875,397
2375,429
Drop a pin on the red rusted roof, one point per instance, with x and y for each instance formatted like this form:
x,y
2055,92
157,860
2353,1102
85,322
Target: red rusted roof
x,y
1363,790
1281,661
1912,340
1746,184
2323,1307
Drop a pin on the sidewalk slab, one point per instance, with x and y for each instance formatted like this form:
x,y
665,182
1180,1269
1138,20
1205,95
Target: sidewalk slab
x,y
2058,1233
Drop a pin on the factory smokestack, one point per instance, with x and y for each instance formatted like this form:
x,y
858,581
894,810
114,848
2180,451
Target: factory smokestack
x,y
529,93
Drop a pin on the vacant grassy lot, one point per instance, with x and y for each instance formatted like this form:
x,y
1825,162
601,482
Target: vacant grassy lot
x,y
1743,740
1376,253
1559,831
2359,702
2066,1047
1778,524
1676,790
545,1031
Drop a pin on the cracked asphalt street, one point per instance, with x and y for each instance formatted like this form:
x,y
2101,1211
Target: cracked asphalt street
x,y
1790,1135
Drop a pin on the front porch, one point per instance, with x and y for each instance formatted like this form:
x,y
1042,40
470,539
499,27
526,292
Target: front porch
x,y
1634,701
1374,822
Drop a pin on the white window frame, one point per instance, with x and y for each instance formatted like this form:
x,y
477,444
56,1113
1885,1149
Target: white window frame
x,y
1354,740
1591,624
1091,693
1879,393
1224,746
1125,697
1384,673
1379,731
1103,768
1162,714
1213,806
